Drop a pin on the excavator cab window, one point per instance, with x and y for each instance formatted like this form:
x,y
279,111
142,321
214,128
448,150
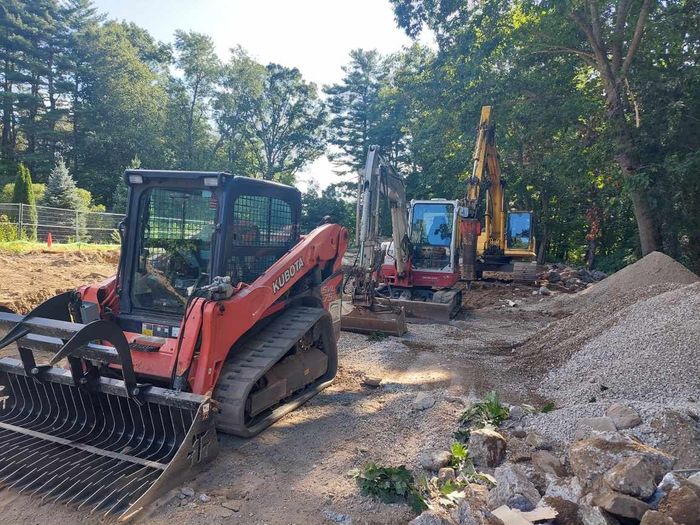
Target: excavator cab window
x,y
431,235
519,232
175,244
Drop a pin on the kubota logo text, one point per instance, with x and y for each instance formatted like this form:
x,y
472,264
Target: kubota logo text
x,y
287,275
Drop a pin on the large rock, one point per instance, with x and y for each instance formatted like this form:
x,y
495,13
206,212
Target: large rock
x,y
587,425
653,517
423,401
623,416
434,459
565,488
487,448
621,504
547,463
537,441
567,511
590,515
634,476
591,458
682,504
513,489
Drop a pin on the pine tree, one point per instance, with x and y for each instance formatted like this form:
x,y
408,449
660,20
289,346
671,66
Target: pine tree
x,y
61,190
24,194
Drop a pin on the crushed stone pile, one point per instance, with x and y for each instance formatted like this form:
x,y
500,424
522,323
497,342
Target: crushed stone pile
x,y
589,313
632,337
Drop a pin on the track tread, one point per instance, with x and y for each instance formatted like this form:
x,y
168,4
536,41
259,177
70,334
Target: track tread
x,y
246,365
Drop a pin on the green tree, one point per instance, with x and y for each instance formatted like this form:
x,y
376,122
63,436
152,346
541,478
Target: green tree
x,y
354,107
61,190
23,193
196,58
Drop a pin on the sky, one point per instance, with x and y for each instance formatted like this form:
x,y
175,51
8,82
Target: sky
x,y
315,36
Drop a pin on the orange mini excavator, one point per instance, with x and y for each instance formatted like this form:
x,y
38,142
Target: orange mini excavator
x,y
221,316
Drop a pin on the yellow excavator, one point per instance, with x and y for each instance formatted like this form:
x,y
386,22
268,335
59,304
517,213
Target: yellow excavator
x,y
491,238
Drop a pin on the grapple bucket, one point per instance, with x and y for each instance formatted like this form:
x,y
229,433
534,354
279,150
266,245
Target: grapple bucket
x,y
75,437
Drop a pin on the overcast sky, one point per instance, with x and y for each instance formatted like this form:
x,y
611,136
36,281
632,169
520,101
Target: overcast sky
x,y
312,35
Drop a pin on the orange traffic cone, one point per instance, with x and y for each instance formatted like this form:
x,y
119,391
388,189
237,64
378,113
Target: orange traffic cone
x,y
49,240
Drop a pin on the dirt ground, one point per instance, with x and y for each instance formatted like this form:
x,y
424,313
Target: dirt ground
x,y
299,470
26,279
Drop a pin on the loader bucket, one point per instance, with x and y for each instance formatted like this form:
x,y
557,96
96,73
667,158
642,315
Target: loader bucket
x,y
382,320
97,449
105,445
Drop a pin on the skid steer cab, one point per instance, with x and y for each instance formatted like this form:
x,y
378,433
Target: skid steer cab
x,y
221,316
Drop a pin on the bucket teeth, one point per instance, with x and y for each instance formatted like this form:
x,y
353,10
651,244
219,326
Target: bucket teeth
x,y
97,450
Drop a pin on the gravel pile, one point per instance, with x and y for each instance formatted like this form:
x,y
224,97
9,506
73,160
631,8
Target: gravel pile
x,y
651,352
595,310
631,338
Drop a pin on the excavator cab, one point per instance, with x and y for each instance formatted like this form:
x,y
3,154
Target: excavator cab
x,y
433,235
519,237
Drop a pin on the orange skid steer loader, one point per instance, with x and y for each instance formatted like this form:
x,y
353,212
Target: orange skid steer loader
x,y
221,316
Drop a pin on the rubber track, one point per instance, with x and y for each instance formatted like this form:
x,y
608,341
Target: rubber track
x,y
250,363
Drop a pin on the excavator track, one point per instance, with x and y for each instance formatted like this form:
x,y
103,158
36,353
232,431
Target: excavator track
x,y
270,354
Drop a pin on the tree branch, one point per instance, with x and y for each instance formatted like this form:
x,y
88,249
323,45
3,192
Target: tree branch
x,y
619,34
636,39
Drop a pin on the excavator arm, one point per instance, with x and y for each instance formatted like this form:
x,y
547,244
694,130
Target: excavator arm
x,y
379,180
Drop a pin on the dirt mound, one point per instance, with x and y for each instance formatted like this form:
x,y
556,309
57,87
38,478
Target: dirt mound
x,y
27,279
597,309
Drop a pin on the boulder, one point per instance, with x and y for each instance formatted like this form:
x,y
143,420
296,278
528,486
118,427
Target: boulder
x,y
590,515
634,476
544,290
695,479
547,463
565,488
567,511
513,489
587,425
682,504
465,514
434,459
621,504
537,441
487,448
623,416
591,458
653,517
423,401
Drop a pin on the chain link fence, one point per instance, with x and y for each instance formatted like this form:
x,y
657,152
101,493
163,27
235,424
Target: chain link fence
x,y
24,222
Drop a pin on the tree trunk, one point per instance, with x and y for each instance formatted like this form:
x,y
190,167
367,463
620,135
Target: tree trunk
x,y
6,146
645,223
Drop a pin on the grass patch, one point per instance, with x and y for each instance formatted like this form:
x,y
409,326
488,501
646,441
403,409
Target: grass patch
x,y
488,412
391,485
16,247
549,406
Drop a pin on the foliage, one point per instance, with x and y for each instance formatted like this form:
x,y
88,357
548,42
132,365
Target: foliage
x,y
489,411
23,193
391,485
8,231
549,406
61,190
329,203
9,189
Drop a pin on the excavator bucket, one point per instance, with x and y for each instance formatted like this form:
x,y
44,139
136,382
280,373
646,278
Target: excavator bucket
x,y
378,319
70,435
444,306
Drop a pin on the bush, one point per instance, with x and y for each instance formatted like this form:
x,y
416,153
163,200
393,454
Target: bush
x,y
23,193
391,485
8,231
